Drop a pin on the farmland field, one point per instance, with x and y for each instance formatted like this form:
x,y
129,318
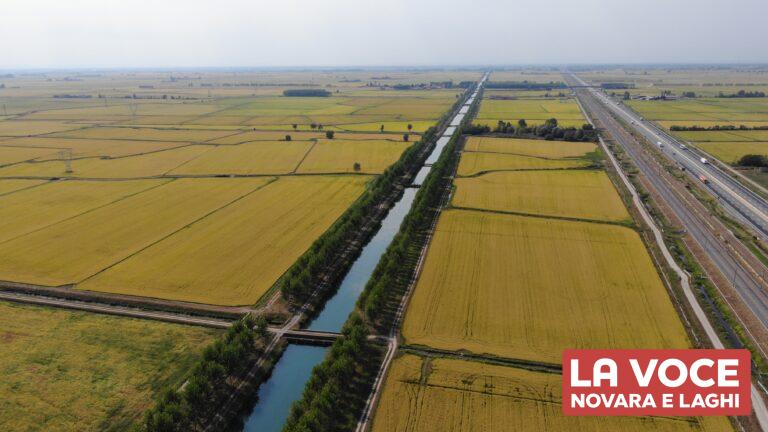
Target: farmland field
x,y
64,370
249,243
492,282
473,163
534,111
527,147
582,194
423,394
104,176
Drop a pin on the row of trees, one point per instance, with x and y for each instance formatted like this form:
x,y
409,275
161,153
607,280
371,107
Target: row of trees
x,y
550,130
391,276
742,94
696,128
230,355
338,387
306,93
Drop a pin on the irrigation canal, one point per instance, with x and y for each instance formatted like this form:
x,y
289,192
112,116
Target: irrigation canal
x,y
294,367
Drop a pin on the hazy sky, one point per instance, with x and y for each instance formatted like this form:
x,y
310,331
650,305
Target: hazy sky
x,y
168,33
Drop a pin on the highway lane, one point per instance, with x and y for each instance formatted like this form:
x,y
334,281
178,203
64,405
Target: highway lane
x,y
691,213
741,202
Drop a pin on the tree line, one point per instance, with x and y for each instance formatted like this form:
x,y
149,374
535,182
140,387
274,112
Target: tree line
x,y
550,130
742,94
231,355
696,128
306,93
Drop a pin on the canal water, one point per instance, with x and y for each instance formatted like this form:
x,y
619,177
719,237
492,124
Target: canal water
x,y
338,308
286,384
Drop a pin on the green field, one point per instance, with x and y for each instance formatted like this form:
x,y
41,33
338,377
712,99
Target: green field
x,y
78,371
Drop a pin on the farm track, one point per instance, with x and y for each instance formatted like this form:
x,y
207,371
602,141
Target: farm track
x,y
668,193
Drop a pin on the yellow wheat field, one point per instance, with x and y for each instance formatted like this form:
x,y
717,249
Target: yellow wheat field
x,y
234,256
473,163
145,165
148,133
340,156
423,394
9,186
582,194
74,249
527,287
267,157
36,208
526,147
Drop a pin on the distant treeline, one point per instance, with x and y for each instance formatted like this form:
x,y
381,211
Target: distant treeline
x,y
742,94
524,85
617,85
72,96
209,383
550,130
696,128
306,93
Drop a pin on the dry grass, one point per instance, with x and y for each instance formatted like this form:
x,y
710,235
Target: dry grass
x,y
76,371
453,395
493,283
10,186
582,194
234,257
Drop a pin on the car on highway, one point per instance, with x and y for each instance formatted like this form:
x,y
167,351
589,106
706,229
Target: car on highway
x,y
704,161
683,147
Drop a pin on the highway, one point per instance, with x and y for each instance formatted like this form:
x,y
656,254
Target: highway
x,y
708,233
741,202
705,231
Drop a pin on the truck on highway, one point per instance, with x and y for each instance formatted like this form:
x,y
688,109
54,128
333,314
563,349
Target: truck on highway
x,y
704,161
704,179
683,147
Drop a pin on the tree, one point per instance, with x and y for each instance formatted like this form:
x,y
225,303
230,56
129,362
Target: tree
x,y
329,134
410,127
754,160
319,127
313,126
287,137
295,126
382,128
522,123
356,166
405,137
626,95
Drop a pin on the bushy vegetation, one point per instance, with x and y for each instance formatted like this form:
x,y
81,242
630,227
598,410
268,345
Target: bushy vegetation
x,y
230,356
306,93
338,387
525,85
753,160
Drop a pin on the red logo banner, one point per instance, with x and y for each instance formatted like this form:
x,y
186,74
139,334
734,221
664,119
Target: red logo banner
x,y
656,382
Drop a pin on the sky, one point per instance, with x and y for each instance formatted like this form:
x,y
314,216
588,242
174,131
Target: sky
x,y
289,33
